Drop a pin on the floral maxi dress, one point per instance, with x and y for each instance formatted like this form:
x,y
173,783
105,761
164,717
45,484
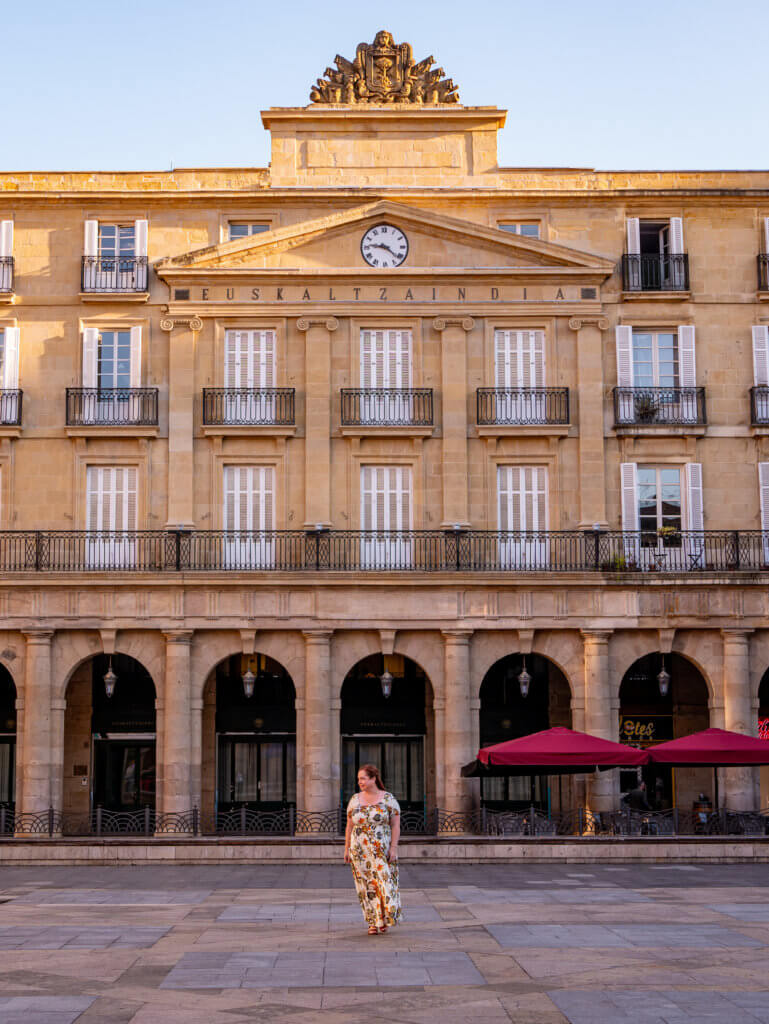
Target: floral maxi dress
x,y
376,880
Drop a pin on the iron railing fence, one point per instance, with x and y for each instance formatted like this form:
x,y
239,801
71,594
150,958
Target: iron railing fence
x,y
388,407
426,551
114,274
113,407
6,273
10,407
655,273
763,271
525,823
659,406
759,405
521,406
249,406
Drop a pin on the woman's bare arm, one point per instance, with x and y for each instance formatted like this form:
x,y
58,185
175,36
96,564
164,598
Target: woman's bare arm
x,y
347,837
395,829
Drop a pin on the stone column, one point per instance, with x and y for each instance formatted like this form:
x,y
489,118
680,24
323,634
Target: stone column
x,y
58,711
453,331
177,724
592,473
183,333
196,753
740,784
319,727
599,713
299,708
36,769
458,732
439,725
317,419
18,774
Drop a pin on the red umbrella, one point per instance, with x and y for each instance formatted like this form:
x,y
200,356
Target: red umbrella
x,y
557,751
712,748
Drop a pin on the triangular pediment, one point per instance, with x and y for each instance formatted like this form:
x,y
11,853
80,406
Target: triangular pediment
x,y
435,242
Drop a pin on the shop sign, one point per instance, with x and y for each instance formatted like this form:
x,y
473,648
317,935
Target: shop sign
x,y
643,730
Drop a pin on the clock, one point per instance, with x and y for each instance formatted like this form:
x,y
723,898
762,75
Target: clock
x,y
384,246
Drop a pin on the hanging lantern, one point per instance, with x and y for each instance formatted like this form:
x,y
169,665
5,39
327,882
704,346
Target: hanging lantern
x,y
248,683
109,680
663,679
386,680
524,679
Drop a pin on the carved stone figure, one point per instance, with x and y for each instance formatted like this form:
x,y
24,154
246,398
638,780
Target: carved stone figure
x,y
384,72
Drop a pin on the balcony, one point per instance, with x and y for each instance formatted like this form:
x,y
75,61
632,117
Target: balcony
x,y
763,272
406,551
250,407
759,406
659,407
522,406
114,274
10,407
6,275
655,273
112,407
387,407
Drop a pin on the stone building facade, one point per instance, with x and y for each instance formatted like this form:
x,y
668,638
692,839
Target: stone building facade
x,y
383,410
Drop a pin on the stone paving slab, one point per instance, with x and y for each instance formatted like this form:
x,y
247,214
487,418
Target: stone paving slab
x,y
43,1009
580,896
310,912
88,897
644,1006
602,936
744,911
68,937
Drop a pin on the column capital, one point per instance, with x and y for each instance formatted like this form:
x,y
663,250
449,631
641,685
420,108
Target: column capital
x,y
304,323
167,323
40,637
576,323
178,636
58,704
737,635
596,636
440,323
317,636
456,637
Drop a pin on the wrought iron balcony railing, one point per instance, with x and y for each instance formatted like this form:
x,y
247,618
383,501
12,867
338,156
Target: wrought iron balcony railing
x,y
114,407
10,407
763,271
114,274
6,273
388,407
659,406
414,551
759,405
655,273
248,407
522,406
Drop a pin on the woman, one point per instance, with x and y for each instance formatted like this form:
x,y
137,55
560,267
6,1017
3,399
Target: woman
x,y
371,849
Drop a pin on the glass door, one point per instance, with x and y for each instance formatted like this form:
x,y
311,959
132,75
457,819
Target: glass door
x,y
256,772
400,759
7,767
124,774
514,793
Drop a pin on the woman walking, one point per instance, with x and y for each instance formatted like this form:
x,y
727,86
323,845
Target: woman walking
x,y
371,849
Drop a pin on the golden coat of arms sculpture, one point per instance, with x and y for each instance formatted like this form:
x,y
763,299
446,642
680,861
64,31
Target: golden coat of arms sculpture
x,y
384,72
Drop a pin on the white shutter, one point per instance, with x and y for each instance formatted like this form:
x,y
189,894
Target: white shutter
x,y
367,510
766,234
676,236
385,498
503,358
231,359
11,337
111,498
537,359
522,498
628,483
248,498
400,342
624,340
366,346
135,377
686,362
266,359
760,355
633,235
94,502
6,238
90,356
763,489
694,510
91,240
141,230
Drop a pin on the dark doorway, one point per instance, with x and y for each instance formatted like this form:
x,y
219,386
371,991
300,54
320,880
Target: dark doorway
x,y
7,739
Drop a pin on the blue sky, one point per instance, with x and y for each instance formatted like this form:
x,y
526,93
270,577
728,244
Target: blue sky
x,y
155,83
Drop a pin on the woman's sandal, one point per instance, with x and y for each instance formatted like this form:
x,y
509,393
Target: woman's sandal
x,y
373,930
383,929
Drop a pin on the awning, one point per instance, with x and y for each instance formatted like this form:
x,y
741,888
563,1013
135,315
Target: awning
x,y
712,748
556,751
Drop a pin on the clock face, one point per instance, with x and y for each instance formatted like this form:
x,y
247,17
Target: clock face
x,y
384,246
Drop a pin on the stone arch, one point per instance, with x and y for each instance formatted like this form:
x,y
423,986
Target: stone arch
x,y
80,646
628,647
759,661
212,647
351,647
562,647
12,658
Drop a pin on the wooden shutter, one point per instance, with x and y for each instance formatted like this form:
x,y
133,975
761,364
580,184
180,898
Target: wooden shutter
x,y
141,230
398,361
694,508
366,345
90,356
522,498
760,355
628,483
537,342
11,337
248,498
624,341
385,498
503,359
231,359
763,490
686,362
6,238
135,376
264,359
91,239
676,235
367,512
633,235
111,498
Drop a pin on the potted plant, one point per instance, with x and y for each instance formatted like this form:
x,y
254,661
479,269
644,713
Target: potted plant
x,y
646,408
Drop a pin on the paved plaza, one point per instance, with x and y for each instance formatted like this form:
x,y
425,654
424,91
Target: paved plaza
x,y
523,943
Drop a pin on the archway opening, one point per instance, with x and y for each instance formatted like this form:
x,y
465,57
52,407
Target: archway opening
x,y
7,739
507,714
109,739
763,732
648,715
249,742
394,732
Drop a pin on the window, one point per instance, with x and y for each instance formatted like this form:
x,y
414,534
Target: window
x,y
242,229
519,369
117,241
114,359
111,515
115,256
656,376
522,516
385,371
655,259
760,393
6,255
659,500
528,228
9,375
385,508
658,503
655,360
248,517
249,375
